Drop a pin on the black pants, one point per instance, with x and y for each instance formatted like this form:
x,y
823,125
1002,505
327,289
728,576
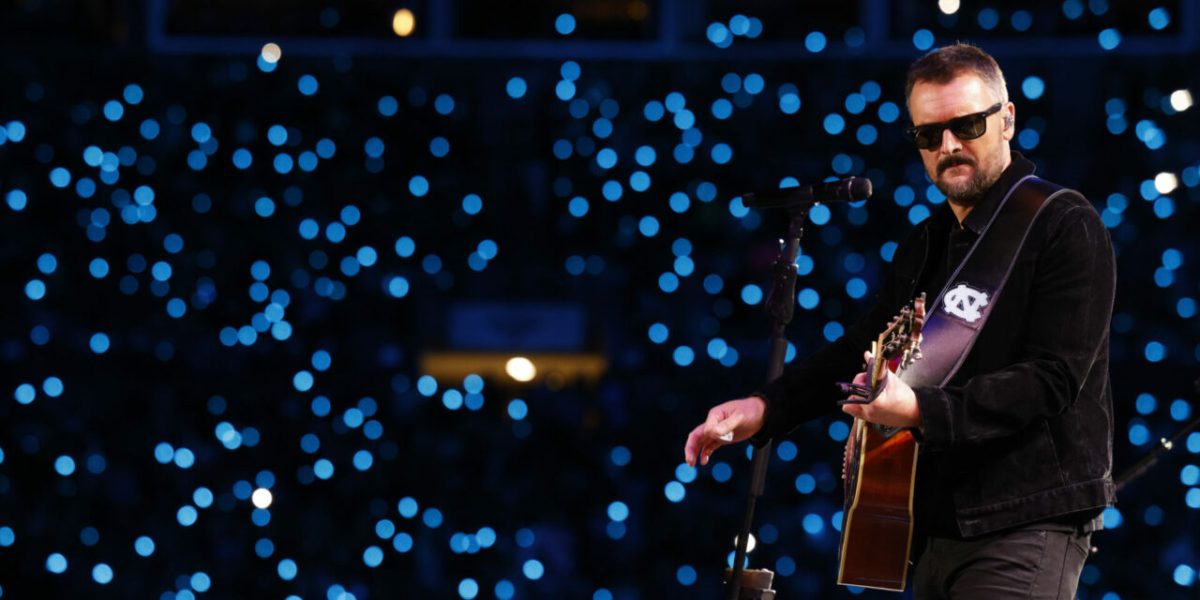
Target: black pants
x,y
1037,562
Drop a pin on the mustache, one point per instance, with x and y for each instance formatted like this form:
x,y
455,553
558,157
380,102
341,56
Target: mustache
x,y
954,161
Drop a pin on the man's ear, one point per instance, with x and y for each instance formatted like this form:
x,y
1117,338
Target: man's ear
x,y
1010,112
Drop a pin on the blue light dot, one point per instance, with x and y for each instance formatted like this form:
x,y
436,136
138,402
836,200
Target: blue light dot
x,y
403,542
856,288
648,226
283,163
815,42
133,93
578,206
201,133
56,563
472,204
675,491
1022,20
303,381
200,582
923,39
564,24
264,207
658,333
683,356
517,409
834,123
1138,434
833,330
722,153
1184,575
533,569
618,511
867,134
149,129
1109,38
184,458
432,518
47,263
186,515
60,177
468,589
144,546
113,110
387,106
988,18
752,294
326,148
164,453
1180,410
25,393
373,556
565,90
277,135
1186,307
307,84
1145,403
53,387
1155,351
64,465
99,343
323,469
1112,518
808,298
1033,87
819,214
35,289
1159,18
418,186
16,199
287,569
805,483
407,507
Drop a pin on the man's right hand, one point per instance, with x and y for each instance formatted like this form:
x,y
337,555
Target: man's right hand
x,y
743,418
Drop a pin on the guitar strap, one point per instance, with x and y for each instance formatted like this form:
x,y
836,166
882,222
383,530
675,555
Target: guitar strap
x,y
962,308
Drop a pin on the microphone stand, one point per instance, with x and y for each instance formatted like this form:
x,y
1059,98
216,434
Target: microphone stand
x,y
780,304
1164,445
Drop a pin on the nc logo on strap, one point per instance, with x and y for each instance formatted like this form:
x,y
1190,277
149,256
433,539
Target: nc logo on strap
x,y
965,302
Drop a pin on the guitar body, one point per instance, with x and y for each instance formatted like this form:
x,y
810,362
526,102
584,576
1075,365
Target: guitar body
x,y
877,522
879,469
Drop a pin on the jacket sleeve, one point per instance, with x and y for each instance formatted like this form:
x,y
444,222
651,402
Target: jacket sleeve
x,y
807,388
1067,318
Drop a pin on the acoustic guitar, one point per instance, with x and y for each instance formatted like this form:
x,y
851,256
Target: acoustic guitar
x,y
879,468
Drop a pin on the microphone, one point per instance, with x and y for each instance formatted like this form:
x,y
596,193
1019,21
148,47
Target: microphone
x,y
850,189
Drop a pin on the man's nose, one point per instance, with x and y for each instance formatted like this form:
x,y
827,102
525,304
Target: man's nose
x,y
950,142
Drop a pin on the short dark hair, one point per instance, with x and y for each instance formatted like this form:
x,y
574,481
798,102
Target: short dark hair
x,y
944,64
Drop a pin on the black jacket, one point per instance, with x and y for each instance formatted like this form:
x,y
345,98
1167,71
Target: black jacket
x,y
1023,432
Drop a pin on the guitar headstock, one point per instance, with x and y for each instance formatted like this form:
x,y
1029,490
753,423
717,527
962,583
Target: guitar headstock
x,y
901,340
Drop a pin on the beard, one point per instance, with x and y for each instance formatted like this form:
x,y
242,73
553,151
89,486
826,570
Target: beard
x,y
967,193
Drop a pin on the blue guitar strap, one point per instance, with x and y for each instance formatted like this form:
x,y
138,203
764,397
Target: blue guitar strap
x,y
953,321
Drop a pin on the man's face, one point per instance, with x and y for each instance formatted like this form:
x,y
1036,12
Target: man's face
x,y
962,169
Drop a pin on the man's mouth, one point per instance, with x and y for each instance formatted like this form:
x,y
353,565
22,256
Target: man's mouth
x,y
951,164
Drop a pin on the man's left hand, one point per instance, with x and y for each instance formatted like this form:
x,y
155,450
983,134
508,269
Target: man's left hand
x,y
895,406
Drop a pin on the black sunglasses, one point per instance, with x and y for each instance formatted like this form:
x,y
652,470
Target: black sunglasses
x,y
966,127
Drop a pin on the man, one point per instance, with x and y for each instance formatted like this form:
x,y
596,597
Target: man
x,y
1016,449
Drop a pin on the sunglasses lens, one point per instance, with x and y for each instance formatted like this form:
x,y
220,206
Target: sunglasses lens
x,y
928,138
969,127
